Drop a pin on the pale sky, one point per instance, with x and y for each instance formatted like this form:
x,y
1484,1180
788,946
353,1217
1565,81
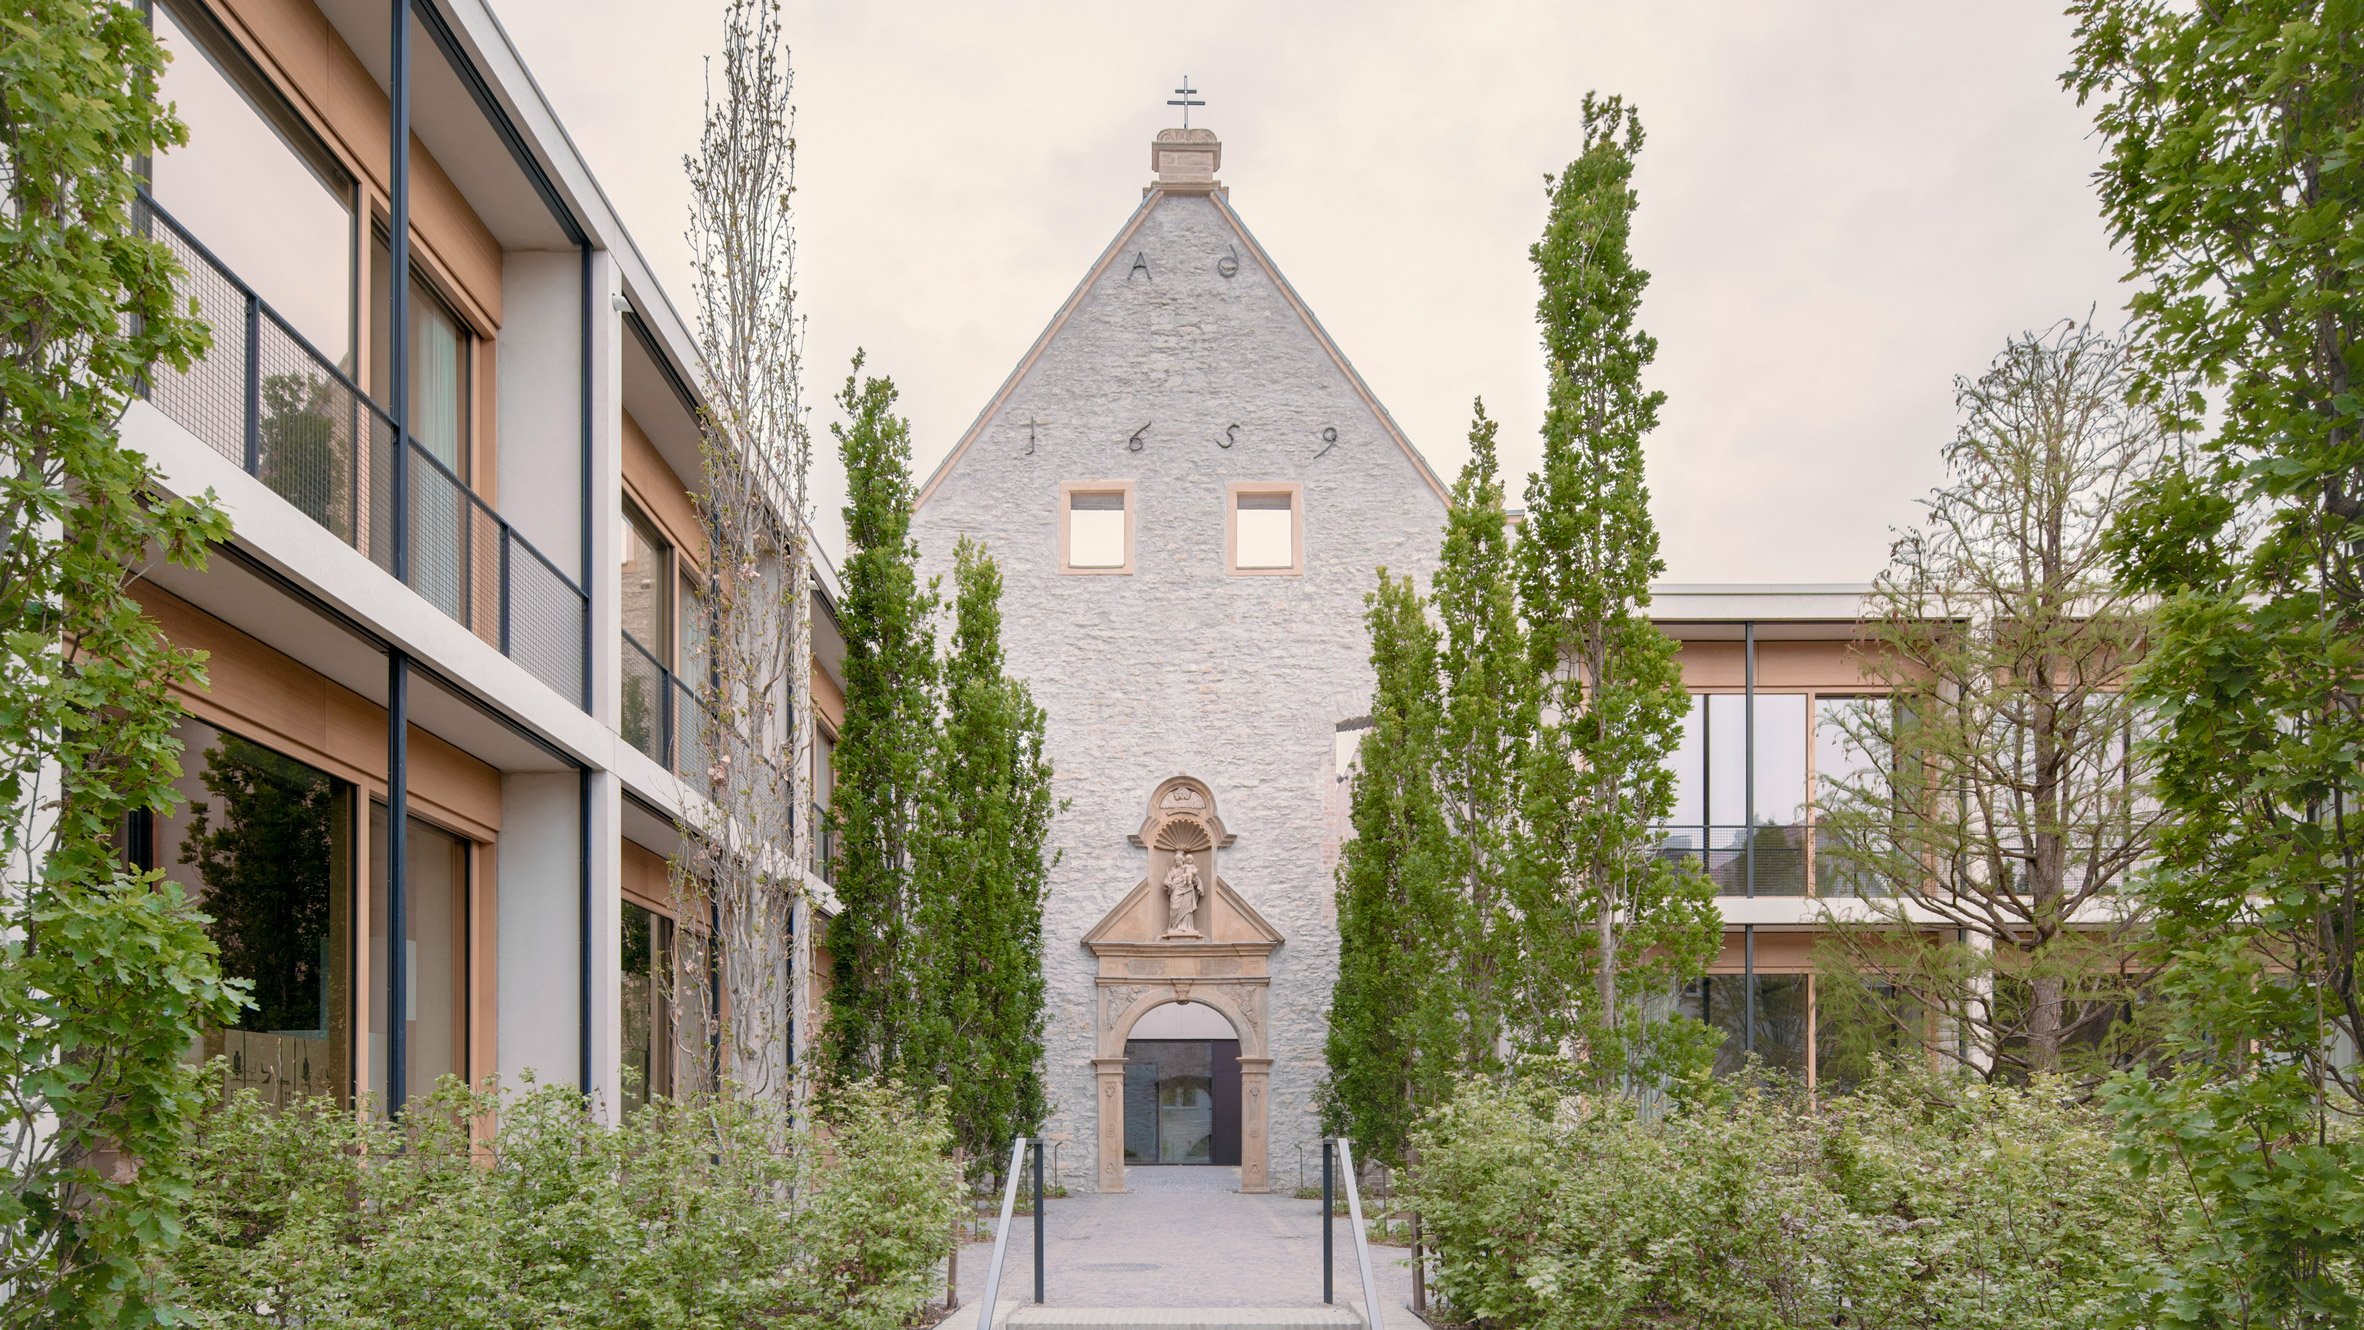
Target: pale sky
x,y
1843,205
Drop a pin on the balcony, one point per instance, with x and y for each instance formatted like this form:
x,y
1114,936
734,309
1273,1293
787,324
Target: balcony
x,y
662,715
266,400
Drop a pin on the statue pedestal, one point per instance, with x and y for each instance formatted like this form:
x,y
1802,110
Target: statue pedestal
x,y
1183,935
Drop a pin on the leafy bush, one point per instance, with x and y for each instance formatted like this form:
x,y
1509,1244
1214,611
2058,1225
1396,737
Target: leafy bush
x,y
705,1214
1914,1202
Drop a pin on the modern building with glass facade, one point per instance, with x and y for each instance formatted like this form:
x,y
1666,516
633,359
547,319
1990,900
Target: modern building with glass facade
x,y
432,781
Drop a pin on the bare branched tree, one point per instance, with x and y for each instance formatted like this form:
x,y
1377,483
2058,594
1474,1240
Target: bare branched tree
x,y
1990,807
740,872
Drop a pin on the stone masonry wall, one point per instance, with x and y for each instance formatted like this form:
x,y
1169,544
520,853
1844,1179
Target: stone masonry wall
x,y
1180,668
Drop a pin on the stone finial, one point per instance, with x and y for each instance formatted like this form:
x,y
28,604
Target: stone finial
x,y
1186,160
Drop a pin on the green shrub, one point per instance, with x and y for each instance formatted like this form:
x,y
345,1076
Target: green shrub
x,y
706,1214
1915,1202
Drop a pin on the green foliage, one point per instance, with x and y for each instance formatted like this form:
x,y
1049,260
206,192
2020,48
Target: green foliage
x,y
878,1001
688,1214
2235,182
984,863
1914,1202
106,976
1386,1061
1991,788
1490,707
1613,929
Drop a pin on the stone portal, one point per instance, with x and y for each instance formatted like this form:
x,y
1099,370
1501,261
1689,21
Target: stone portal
x,y
1152,951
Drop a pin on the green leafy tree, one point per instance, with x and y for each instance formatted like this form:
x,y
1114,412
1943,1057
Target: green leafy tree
x,y
106,975
1612,929
1486,725
882,1020
2235,183
1388,1060
985,862
1993,789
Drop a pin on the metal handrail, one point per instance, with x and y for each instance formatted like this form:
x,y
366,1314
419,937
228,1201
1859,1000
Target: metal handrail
x,y
1372,1316
1001,1234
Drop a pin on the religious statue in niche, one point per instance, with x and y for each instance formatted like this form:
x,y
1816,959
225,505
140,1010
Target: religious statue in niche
x,y
1183,894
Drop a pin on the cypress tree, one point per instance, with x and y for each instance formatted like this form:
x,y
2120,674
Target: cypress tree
x,y
984,862
1383,1046
1612,930
877,1003
1487,722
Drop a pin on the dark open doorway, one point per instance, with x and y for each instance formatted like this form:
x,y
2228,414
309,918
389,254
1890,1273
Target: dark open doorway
x,y
1182,1101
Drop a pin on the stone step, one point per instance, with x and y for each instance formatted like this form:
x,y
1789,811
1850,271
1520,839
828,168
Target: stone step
x,y
1026,1316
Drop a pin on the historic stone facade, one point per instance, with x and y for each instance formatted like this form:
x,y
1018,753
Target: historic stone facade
x,y
1182,369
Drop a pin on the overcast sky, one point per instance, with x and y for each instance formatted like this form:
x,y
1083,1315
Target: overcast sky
x,y
1843,205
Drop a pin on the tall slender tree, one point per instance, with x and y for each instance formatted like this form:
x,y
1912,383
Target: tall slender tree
x,y
880,1015
2235,183
1487,722
1387,1060
744,844
1613,929
984,860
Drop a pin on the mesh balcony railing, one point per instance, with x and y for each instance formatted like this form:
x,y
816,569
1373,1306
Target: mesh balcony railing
x,y
266,400
1722,853
663,716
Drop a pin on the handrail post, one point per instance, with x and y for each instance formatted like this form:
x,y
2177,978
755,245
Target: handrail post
x,y
1329,1203
1372,1317
254,385
1038,1221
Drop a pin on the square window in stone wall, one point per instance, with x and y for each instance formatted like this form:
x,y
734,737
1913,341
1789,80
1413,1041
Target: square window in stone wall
x,y
1267,532
1096,527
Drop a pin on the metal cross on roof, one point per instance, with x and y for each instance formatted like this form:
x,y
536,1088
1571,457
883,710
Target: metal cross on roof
x,y
1185,98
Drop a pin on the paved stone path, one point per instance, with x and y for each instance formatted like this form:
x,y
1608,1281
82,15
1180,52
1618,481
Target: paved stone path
x,y
1184,1236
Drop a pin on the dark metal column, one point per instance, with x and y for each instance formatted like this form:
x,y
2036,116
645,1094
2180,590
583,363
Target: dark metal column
x,y
397,986
1748,988
1329,1204
397,386
1748,758
1038,1218
583,927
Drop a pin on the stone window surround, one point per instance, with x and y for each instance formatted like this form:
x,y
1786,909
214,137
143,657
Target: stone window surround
x,y
1070,488
1232,494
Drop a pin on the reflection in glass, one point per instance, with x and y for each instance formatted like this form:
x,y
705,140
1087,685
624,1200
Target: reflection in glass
x,y
647,1020
1842,762
441,513
433,956
264,846
1178,1098
256,187
1779,1036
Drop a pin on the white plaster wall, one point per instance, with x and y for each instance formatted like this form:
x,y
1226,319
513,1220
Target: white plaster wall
x,y
538,366
539,1024
1180,668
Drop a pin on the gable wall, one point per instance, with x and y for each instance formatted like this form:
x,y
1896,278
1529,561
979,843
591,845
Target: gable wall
x,y
1180,667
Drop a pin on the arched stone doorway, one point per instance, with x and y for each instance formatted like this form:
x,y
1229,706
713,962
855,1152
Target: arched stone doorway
x,y
1183,935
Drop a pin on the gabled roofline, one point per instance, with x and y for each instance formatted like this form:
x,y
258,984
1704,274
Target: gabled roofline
x,y
1067,307
1330,347
1149,200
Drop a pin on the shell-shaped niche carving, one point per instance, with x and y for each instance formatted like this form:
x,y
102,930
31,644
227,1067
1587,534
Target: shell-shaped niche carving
x,y
1183,835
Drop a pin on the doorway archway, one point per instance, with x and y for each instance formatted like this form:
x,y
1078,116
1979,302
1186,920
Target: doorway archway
x,y
1182,1088
1182,936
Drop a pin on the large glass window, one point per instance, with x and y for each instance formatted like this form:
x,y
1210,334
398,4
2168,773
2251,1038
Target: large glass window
x,y
1779,1030
433,956
1846,730
255,186
648,1016
442,514
264,845
646,580
1715,764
